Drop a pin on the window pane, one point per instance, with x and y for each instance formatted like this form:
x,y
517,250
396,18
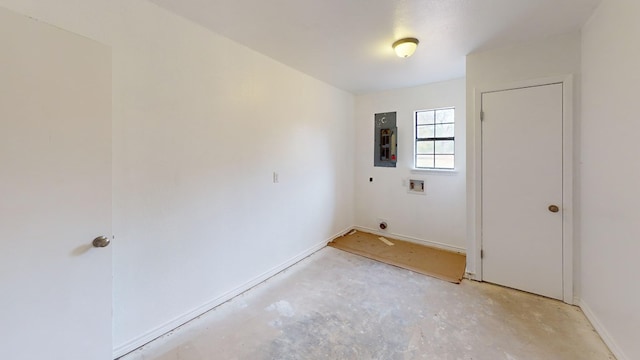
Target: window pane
x,y
445,130
425,131
438,126
424,161
445,147
424,147
424,117
444,116
444,161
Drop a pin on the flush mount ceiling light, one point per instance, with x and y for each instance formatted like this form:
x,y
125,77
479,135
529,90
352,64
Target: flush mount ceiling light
x,y
405,47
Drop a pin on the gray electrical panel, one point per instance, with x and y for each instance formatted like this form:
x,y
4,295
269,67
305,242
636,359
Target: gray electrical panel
x,y
385,152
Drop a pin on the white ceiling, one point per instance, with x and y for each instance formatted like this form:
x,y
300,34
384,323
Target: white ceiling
x,y
347,43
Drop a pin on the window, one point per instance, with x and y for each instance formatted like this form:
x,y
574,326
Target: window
x,y
435,141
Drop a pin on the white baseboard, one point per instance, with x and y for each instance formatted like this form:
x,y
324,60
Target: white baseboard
x,y
153,334
602,331
470,275
434,244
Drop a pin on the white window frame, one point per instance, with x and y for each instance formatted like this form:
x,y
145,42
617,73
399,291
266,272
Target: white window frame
x,y
435,139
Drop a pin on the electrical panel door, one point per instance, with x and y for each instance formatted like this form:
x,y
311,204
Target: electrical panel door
x,y
385,145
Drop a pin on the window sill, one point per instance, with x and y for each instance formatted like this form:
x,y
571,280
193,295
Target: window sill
x,y
435,171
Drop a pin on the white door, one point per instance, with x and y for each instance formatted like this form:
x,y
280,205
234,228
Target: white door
x,y
55,193
521,184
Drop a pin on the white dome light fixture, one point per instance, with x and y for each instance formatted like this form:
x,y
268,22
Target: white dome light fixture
x,y
405,47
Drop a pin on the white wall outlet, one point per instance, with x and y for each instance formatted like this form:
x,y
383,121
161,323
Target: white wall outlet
x,y
275,178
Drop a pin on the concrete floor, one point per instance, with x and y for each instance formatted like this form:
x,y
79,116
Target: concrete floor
x,y
335,305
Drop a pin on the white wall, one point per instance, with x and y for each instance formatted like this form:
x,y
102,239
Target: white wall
x,y
610,175
199,125
439,215
555,56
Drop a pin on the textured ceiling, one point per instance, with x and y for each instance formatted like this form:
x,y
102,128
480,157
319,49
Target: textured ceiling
x,y
347,43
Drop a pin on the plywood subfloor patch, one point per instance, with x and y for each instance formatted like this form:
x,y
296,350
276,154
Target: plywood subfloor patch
x,y
442,264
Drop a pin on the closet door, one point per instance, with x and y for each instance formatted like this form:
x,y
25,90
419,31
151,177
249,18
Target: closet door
x,y
55,193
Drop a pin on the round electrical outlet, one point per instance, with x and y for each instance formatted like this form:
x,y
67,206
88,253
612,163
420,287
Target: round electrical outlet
x,y
383,225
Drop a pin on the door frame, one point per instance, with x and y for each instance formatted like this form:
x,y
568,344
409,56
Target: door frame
x,y
567,174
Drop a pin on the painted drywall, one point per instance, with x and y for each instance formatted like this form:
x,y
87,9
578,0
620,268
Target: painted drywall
x,y
200,124
554,56
610,174
438,216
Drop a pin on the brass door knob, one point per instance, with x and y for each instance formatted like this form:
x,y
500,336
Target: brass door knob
x,y
101,241
554,208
